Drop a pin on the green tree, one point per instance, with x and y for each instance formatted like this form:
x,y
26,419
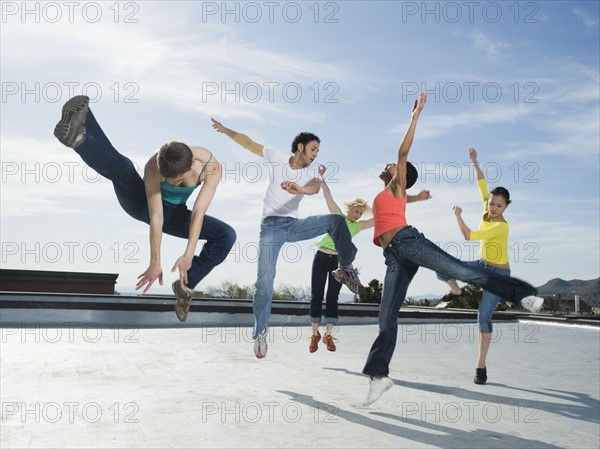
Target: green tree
x,y
471,297
291,293
372,293
231,290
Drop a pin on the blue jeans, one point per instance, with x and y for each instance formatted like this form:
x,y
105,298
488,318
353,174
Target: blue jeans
x,y
97,152
323,265
274,232
489,301
407,251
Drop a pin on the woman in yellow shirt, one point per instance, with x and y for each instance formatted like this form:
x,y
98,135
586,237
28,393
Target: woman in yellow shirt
x,y
493,249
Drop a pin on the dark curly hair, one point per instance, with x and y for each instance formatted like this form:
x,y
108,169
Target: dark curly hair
x,y
303,138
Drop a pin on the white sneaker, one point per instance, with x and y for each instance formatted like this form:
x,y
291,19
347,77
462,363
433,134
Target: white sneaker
x,y
260,344
376,388
532,304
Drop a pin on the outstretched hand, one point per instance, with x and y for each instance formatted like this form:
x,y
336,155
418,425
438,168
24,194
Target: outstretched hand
x,y
183,264
424,195
418,106
322,170
473,155
217,125
147,278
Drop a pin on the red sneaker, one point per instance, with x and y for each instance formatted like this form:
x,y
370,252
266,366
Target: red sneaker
x,y
328,340
314,342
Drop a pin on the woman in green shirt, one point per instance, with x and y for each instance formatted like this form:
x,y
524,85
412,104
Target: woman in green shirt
x,y
325,262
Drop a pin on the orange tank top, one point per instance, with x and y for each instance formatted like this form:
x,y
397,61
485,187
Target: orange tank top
x,y
389,212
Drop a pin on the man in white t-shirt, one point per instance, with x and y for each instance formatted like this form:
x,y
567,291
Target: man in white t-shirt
x,y
290,178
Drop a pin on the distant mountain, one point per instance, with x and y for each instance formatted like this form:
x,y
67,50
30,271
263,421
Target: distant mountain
x,y
558,286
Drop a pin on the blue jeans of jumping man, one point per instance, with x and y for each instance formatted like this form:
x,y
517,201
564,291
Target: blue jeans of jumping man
x,y
274,232
407,251
323,265
98,153
489,301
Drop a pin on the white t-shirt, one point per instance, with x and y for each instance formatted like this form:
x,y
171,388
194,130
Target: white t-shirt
x,y
277,202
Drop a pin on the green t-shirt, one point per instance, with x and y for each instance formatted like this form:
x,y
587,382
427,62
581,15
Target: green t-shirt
x,y
327,242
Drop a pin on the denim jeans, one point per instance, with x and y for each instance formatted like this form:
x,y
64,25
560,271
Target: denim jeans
x,y
323,265
407,251
489,301
274,232
97,152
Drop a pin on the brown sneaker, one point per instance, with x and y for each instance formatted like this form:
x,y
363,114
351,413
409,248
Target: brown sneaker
x,y
72,123
314,342
184,300
328,340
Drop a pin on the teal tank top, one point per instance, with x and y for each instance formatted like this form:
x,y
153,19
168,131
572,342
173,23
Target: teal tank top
x,y
179,194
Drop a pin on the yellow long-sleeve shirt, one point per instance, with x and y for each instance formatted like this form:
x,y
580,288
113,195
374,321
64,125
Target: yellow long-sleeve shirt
x,y
492,236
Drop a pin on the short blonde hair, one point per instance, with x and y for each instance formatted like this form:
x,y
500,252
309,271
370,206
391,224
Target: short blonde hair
x,y
357,202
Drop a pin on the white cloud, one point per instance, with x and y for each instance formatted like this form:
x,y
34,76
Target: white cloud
x,y
587,19
437,125
210,68
488,45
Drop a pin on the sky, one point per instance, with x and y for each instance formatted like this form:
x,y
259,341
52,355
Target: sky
x,y
519,81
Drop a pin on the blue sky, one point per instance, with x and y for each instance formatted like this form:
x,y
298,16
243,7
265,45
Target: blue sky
x,y
519,81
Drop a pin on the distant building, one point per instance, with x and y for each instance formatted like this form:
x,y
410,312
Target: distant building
x,y
57,282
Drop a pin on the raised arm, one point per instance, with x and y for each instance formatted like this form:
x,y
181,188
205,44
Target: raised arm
x,y
366,224
212,178
239,138
473,157
331,204
464,229
398,183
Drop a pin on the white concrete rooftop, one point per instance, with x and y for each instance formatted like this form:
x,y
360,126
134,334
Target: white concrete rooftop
x,y
202,387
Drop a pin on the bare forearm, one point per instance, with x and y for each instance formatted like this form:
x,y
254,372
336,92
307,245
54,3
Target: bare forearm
x,y
464,229
244,141
155,240
408,138
205,197
331,204
311,188
194,233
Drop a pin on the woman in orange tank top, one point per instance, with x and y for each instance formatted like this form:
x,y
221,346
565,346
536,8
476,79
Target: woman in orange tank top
x,y
405,250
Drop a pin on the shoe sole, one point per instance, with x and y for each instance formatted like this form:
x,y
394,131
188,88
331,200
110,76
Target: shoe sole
x,y
259,354
64,131
182,304
390,385
354,288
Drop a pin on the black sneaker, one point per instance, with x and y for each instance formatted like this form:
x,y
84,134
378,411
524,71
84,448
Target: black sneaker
x,y
450,296
72,123
480,376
